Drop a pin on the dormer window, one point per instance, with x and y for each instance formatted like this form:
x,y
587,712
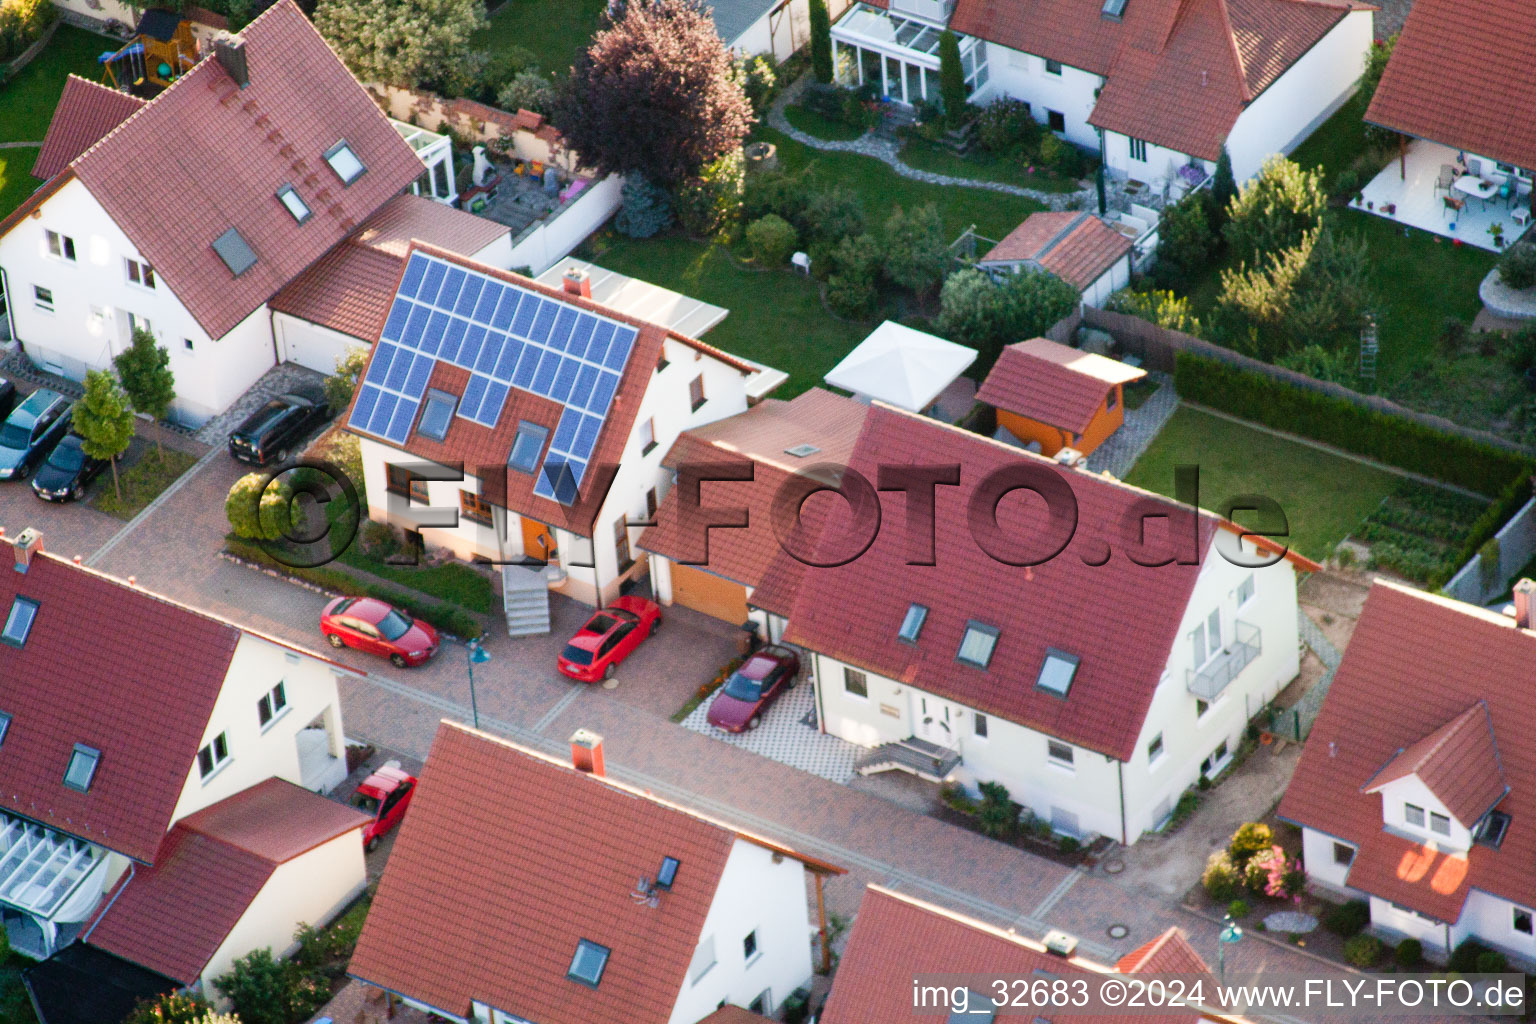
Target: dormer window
x,y
588,964
82,767
977,645
18,624
344,162
1057,672
912,623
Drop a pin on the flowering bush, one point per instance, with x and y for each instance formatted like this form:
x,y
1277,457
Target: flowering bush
x,y
1221,877
1269,873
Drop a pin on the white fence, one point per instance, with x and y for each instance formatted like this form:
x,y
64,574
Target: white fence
x,y
1517,543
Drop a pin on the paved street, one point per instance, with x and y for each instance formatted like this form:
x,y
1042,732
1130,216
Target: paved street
x,y
174,550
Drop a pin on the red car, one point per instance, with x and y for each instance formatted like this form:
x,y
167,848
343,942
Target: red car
x,y
740,704
385,794
376,627
610,636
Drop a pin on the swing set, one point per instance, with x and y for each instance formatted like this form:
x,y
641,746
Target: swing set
x,y
162,50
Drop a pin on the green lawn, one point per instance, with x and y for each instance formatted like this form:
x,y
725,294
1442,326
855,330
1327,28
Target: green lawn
x,y
776,315
814,123
28,101
1325,497
142,482
555,33
925,156
1336,142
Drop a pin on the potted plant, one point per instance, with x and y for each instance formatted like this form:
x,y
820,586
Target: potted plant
x,y
1497,231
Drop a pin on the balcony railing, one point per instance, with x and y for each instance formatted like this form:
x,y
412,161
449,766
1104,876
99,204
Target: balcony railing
x,y
1208,683
937,11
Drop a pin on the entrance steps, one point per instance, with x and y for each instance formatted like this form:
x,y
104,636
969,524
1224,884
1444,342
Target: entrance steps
x,y
525,599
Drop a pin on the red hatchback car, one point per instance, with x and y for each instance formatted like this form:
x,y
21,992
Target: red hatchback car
x,y
385,794
749,692
610,636
376,627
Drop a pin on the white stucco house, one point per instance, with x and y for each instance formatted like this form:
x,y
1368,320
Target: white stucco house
x,y
1151,85
769,28
100,763
266,156
580,899
1096,685
1412,791
523,423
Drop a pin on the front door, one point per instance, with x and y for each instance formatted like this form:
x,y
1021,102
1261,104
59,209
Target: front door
x,y
537,543
937,721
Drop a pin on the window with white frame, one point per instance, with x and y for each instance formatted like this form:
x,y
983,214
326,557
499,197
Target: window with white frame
x,y
272,704
979,725
139,323
61,247
977,644
1439,824
213,756
1343,854
1139,150
1059,754
1413,814
1205,639
855,682
1155,748
293,203
344,162
42,298
139,273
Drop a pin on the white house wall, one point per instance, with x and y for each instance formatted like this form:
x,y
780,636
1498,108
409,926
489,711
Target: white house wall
x,y
763,892
1161,163
550,241
258,753
309,344
1317,855
1492,919
92,300
1409,790
1023,76
1303,98
1400,922
100,10
312,888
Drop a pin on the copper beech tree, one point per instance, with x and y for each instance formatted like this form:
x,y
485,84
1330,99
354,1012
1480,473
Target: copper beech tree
x,y
656,93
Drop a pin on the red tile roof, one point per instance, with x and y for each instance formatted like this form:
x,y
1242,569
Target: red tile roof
x,y
895,937
86,112
222,153
852,612
1169,953
147,723
1459,762
350,289
757,437
554,860
174,916
1052,383
1464,82
486,448
1178,72
729,1014
1414,664
1077,247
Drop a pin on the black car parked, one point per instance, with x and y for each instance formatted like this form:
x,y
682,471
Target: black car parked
x,y
64,476
30,432
272,431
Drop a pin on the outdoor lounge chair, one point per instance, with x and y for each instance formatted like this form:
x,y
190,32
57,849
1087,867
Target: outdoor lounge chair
x,y
1447,178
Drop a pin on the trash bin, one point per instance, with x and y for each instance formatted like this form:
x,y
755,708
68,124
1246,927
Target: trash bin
x,y
747,640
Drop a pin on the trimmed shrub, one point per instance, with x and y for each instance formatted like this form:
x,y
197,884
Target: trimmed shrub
x,y
951,77
997,815
1465,956
772,240
1238,909
1221,878
916,255
853,286
265,990
1006,126
1517,267
830,215
258,507
1186,243
1069,844
1348,918
1362,950
1492,962
1253,838
1395,440
1409,954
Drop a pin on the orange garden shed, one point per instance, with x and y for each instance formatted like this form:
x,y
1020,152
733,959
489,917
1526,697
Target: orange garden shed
x,y
1058,396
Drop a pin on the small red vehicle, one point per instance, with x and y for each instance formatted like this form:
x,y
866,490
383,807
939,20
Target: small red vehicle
x,y
385,794
750,691
610,636
379,628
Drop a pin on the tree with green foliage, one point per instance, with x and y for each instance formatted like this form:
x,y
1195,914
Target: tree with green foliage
x,y
259,507
1223,190
772,240
821,41
976,311
1376,59
145,371
104,421
171,1008
265,990
951,77
1275,210
645,210
853,286
657,92
1315,292
916,255
970,308
1185,243
711,199
342,385
758,80
399,42
527,90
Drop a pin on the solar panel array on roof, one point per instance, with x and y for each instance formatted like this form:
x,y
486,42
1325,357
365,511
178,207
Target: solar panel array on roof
x,y
507,337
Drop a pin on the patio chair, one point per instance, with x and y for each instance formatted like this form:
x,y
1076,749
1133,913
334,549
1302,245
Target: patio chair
x,y
1453,204
1447,178
1474,166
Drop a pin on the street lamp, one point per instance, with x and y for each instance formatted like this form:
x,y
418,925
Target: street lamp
x,y
476,655
1230,934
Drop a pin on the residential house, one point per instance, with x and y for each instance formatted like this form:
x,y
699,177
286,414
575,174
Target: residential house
x,y
1427,811
896,937
268,154
542,415
240,875
1455,92
1154,86
111,736
771,28
1087,252
1051,396
717,571
1096,685
523,888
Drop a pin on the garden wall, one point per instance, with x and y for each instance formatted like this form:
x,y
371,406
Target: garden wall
x,y
1517,545
547,242
524,134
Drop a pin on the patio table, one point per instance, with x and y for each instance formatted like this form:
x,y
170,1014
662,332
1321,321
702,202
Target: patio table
x,y
1472,185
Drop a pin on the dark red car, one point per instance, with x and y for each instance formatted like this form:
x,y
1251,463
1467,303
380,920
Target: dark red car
x,y
610,636
379,628
385,794
750,691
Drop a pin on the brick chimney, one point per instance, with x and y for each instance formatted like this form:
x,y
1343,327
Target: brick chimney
x,y
27,543
577,282
587,752
1525,603
231,57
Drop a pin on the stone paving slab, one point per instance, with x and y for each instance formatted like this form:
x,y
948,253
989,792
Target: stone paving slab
x,y
785,737
1117,455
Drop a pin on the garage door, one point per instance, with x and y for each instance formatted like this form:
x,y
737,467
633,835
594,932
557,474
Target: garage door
x,y
708,593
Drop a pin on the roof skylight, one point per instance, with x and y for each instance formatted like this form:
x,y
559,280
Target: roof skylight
x,y
526,446
588,964
5,726
668,873
294,203
977,645
344,162
801,451
912,623
1058,671
82,767
19,623
437,414
235,251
